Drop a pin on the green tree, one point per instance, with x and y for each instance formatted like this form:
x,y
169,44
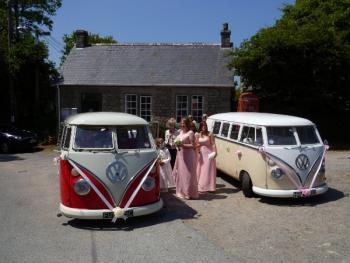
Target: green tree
x,y
25,69
301,65
69,42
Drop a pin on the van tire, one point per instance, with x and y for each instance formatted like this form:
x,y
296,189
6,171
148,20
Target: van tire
x,y
247,186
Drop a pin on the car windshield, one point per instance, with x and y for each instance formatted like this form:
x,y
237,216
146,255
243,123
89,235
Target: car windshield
x,y
307,135
93,138
280,136
133,138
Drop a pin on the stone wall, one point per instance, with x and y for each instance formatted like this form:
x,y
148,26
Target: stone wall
x,y
216,99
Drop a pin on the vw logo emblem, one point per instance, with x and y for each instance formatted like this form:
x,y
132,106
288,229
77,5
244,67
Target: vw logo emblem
x,y
116,171
302,162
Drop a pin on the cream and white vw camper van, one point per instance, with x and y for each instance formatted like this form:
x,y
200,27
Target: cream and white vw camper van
x,y
108,167
271,154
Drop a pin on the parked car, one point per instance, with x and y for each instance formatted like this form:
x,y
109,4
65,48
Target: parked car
x,y
14,139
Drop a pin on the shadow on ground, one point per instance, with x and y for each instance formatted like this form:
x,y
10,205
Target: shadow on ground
x,y
330,196
173,209
8,157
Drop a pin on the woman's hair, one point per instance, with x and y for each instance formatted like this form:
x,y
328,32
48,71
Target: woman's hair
x,y
171,123
187,122
203,124
159,141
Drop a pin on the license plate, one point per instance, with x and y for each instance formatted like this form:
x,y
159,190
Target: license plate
x,y
297,194
110,215
107,215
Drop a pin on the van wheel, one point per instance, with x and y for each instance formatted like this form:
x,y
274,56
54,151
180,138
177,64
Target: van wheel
x,y
247,186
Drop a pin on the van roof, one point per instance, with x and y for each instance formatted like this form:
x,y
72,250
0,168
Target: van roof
x,y
105,118
263,119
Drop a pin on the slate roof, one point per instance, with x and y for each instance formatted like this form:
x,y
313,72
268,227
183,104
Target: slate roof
x,y
147,65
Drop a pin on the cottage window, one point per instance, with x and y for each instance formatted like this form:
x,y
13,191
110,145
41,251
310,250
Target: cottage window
x,y
145,107
91,102
197,107
181,107
131,104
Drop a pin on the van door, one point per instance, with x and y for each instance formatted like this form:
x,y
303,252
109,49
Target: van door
x,y
250,159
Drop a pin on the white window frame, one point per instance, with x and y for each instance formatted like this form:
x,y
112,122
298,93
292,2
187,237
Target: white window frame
x,y
127,109
197,114
148,115
183,110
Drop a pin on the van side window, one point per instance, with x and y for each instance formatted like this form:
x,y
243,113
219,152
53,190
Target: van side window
x,y
234,131
66,138
216,128
248,134
258,137
225,128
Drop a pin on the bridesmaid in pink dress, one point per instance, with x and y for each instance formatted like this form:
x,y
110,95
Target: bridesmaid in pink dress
x,y
186,163
206,168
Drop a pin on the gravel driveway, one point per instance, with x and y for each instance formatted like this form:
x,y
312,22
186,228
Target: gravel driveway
x,y
258,229
220,227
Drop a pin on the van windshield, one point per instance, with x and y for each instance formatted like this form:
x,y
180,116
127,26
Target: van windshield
x,y
280,136
307,135
133,138
93,138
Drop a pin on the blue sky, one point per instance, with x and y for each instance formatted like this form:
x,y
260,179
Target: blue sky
x,y
165,21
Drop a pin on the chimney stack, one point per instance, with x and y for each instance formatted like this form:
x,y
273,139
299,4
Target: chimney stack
x,y
82,38
226,37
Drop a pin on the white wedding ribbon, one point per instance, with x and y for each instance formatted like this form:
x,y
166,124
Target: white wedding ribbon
x,y
93,186
319,166
117,211
304,191
132,197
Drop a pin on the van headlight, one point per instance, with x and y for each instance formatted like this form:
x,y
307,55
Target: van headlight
x,y
82,187
74,172
149,184
277,173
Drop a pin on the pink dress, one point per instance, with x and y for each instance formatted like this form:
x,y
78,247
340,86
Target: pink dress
x,y
185,168
206,168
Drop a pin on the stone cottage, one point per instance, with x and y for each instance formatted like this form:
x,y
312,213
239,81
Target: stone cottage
x,y
153,81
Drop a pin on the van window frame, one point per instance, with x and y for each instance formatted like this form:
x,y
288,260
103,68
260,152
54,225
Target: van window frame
x,y
95,149
147,129
253,142
240,125
314,130
295,134
228,130
219,131
64,137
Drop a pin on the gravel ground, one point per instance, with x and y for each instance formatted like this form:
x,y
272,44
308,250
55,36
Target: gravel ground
x,y
258,229
220,227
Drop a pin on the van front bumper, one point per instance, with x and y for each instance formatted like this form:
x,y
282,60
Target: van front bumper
x,y
289,193
107,214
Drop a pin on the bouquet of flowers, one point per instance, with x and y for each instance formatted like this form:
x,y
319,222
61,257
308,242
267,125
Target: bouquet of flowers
x,y
178,143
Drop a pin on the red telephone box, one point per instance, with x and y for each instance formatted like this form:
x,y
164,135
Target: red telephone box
x,y
248,101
